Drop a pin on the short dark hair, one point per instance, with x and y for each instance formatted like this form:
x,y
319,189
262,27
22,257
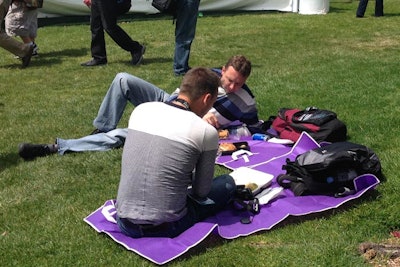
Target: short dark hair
x,y
199,81
241,64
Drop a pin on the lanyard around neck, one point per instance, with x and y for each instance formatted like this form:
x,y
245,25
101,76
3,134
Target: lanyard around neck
x,y
183,102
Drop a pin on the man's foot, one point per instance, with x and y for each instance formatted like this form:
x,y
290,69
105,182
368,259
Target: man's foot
x,y
27,59
34,51
30,151
137,56
96,131
181,73
94,62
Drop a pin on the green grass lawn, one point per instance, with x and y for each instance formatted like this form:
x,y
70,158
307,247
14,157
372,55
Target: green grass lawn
x,y
333,61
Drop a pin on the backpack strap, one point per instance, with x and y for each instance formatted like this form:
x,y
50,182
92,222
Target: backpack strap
x,y
294,168
294,183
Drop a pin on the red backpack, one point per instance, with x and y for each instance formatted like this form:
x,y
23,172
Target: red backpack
x,y
322,125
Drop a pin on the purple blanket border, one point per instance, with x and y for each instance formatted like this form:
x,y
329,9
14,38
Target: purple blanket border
x,y
157,250
227,223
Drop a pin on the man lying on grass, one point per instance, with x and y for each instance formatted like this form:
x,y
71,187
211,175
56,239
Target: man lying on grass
x,y
234,107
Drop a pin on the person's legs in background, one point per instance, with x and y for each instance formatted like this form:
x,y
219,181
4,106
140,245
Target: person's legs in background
x,y
98,43
378,8
362,6
24,51
185,31
109,14
22,21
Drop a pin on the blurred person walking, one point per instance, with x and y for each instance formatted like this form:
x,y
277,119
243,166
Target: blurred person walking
x,y
21,20
103,17
185,30
24,51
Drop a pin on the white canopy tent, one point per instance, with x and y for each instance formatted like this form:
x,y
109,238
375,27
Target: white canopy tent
x,y
53,8
76,7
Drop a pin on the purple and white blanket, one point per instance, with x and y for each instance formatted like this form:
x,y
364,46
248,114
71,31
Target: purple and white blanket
x,y
266,157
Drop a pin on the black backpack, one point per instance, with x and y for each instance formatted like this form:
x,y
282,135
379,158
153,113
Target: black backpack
x,y
329,170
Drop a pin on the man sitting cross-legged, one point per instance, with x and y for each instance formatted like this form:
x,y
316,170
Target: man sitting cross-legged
x,y
168,148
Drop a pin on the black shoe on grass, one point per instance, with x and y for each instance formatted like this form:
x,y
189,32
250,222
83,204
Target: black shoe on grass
x,y
27,58
96,131
137,56
31,151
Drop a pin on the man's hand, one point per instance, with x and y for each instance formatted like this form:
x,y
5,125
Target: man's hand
x,y
211,119
88,3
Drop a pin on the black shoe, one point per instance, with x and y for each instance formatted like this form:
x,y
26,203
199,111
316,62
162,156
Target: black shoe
x,y
96,131
27,59
31,151
35,50
182,73
94,62
137,56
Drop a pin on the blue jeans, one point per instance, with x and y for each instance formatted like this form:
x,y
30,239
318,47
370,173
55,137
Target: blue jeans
x,y
185,31
96,142
222,191
124,88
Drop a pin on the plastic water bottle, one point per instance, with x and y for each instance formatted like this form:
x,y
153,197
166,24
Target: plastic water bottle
x,y
238,132
259,136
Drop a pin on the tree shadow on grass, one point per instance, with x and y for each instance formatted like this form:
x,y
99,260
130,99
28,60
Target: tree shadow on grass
x,y
149,61
57,57
51,58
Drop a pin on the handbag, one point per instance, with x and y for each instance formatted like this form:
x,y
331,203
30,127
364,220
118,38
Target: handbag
x,y
123,6
165,6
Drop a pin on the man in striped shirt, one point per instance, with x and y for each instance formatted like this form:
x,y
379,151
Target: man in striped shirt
x,y
235,103
235,106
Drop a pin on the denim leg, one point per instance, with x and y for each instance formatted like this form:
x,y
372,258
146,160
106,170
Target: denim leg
x,y
96,142
124,88
378,8
185,30
222,192
362,6
135,232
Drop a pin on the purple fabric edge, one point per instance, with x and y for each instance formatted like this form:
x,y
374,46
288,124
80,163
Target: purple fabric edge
x,y
162,258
